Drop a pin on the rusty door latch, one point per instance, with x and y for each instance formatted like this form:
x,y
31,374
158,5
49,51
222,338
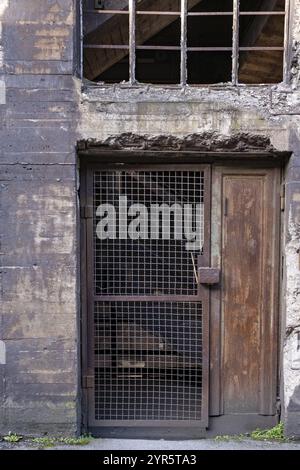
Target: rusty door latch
x,y
208,275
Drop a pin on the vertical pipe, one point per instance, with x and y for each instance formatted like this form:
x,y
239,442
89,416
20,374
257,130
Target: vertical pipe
x,y
235,41
287,45
132,52
183,43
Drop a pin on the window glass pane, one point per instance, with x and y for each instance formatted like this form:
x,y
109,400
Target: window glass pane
x,y
260,67
209,67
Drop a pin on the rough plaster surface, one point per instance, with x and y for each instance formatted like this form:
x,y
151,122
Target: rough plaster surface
x,y
206,141
43,114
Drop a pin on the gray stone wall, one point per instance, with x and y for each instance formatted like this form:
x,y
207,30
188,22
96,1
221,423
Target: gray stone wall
x,y
43,114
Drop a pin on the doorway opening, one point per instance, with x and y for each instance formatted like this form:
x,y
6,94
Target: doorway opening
x,y
180,307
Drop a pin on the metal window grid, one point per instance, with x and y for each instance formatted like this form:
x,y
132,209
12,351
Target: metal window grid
x,y
132,47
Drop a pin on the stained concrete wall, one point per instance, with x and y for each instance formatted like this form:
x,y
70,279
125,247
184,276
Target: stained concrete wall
x,y
38,228
43,114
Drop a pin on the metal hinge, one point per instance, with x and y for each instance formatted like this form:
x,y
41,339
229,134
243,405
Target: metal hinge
x,y
86,212
88,381
282,197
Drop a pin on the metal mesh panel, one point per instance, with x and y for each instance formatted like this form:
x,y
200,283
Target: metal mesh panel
x,y
148,358
148,266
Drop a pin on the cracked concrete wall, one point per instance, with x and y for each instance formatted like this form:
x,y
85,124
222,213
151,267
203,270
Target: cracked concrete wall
x,y
43,115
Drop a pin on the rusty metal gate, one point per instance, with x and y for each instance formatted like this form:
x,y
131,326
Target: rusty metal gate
x,y
147,236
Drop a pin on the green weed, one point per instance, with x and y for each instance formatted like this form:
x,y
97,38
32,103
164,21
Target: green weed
x,y
53,441
12,437
274,434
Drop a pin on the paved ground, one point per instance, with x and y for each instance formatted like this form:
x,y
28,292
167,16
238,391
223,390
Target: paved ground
x,y
200,444
203,444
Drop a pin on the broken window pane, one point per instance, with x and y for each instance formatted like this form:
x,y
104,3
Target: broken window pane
x,y
94,16
262,5
260,67
106,4
156,41
209,67
212,31
261,31
119,69
99,55
158,30
210,5
158,66
209,31
158,5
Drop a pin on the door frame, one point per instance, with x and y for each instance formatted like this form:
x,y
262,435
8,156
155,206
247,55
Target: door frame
x,y
104,160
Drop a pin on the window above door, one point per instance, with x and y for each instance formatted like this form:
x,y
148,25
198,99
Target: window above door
x,y
185,42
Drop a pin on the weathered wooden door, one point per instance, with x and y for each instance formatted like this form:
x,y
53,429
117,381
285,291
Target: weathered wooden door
x,y
147,233
244,313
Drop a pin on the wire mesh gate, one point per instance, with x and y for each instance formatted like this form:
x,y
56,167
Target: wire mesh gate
x,y
147,235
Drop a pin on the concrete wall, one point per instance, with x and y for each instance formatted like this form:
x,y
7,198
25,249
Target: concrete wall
x,y
38,228
44,114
